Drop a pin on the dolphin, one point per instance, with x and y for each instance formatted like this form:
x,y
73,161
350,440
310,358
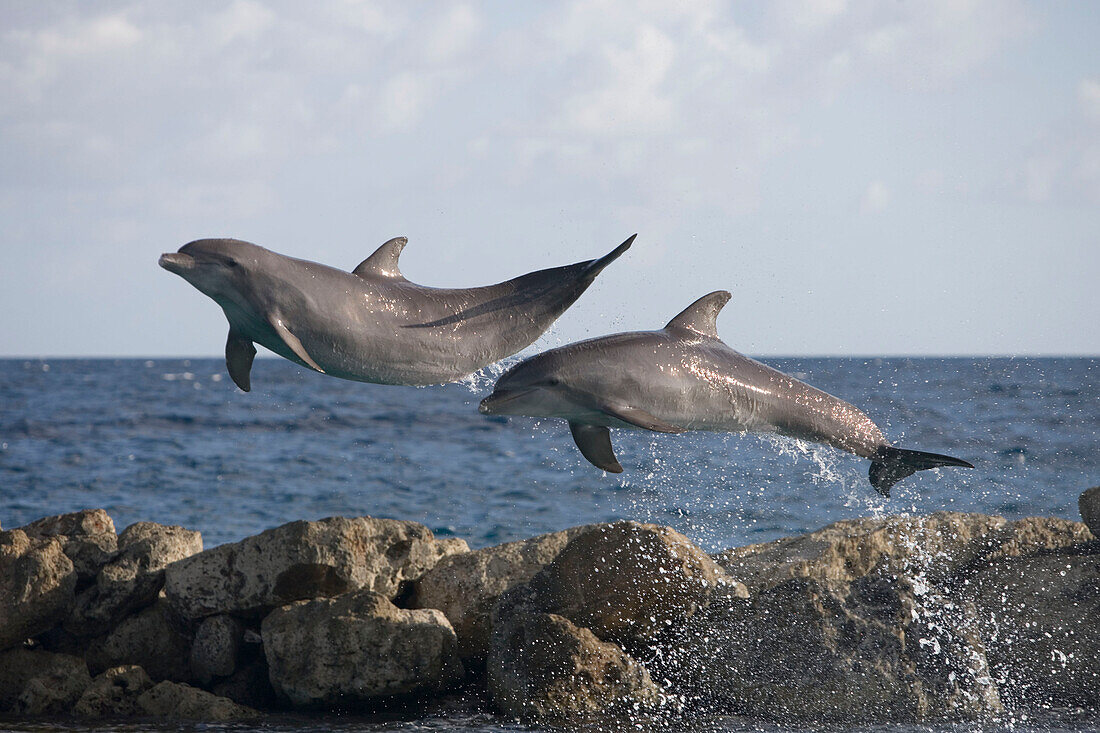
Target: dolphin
x,y
684,377
371,324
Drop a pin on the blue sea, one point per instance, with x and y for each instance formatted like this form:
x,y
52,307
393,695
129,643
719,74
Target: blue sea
x,y
174,441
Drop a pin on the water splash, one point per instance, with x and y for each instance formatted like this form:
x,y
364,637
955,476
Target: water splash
x,y
483,379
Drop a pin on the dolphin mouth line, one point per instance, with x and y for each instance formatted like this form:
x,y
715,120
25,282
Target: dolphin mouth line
x,y
496,399
176,262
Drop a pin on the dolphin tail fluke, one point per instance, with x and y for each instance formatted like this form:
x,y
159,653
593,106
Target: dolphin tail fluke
x,y
595,267
890,465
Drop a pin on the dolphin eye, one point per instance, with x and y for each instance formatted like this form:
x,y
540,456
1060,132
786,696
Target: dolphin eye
x,y
232,262
553,381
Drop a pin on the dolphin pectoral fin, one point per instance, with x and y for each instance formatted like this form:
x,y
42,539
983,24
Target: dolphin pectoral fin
x,y
293,343
595,444
239,353
639,418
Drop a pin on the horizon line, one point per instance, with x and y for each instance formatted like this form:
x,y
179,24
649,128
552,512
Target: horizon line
x,y
276,357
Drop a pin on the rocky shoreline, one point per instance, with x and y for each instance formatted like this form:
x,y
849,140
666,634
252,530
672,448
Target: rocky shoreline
x,y
942,617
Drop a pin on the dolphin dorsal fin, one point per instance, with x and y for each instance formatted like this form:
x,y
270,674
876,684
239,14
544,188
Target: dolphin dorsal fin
x,y
383,263
701,316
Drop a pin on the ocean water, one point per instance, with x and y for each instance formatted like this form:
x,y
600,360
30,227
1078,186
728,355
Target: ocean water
x,y
174,441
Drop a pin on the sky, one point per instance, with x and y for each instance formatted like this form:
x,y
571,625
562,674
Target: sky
x,y
866,178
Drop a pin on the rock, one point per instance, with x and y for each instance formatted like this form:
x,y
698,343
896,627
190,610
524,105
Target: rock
x,y
174,701
465,586
114,694
866,619
543,667
451,546
215,648
1040,617
249,685
825,650
356,647
1028,536
35,682
627,582
85,523
935,548
37,586
304,560
61,641
87,538
151,639
853,548
134,578
1089,504
556,651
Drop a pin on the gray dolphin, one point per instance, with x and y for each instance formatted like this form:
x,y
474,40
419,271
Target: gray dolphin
x,y
372,325
684,377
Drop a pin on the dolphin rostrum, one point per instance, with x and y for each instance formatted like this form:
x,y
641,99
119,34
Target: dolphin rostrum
x,y
372,325
684,377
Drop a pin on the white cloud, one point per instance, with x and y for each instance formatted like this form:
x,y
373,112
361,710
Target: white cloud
x,y
910,46
242,21
101,35
1041,174
631,96
699,119
1088,95
401,101
1063,165
875,198
575,86
814,14
452,35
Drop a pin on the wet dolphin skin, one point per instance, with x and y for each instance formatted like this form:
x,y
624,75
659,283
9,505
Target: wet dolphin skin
x,y
371,324
683,377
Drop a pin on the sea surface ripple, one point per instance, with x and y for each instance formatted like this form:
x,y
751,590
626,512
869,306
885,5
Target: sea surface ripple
x,y
174,441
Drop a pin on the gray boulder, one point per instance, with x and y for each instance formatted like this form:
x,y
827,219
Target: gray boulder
x,y
36,682
825,650
87,537
544,668
134,577
870,619
628,582
153,639
37,586
560,645
1028,536
465,586
216,647
85,523
249,685
357,647
936,547
304,560
173,701
853,548
113,694
1040,617
1089,504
